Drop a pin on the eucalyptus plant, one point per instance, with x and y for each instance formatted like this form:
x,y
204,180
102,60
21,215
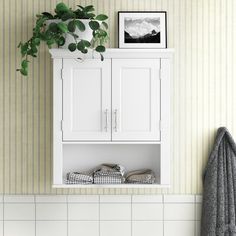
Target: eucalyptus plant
x,y
54,32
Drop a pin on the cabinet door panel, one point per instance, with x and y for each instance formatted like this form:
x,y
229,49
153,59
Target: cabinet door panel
x,y
86,100
136,99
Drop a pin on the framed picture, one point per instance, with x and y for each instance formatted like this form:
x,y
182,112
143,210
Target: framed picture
x,y
142,29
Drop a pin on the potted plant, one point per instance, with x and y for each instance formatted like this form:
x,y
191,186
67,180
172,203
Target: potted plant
x,y
78,29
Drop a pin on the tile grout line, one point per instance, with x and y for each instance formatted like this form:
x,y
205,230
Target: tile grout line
x,y
3,215
35,215
131,217
99,216
163,215
195,216
67,215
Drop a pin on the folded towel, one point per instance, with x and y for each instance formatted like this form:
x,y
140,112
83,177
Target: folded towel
x,y
106,169
144,176
109,174
79,178
108,179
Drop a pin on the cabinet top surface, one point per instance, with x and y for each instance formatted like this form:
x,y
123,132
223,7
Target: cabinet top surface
x,y
115,53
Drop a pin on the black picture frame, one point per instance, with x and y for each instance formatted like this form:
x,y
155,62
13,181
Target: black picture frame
x,y
121,30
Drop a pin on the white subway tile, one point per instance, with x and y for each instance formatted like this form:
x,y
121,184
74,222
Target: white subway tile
x,y
83,211
19,211
115,211
51,228
1,211
149,211
147,198
198,228
115,198
179,228
51,198
179,198
19,228
50,211
1,228
19,198
83,198
198,211
83,228
149,228
179,211
115,228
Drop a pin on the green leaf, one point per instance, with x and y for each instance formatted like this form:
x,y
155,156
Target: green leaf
x,y
105,25
81,45
67,16
24,72
61,41
86,43
94,25
34,49
102,33
72,47
80,7
61,7
53,27
40,22
80,25
89,8
24,64
85,50
71,26
63,27
90,15
48,15
30,52
36,41
101,17
100,48
19,45
24,48
50,42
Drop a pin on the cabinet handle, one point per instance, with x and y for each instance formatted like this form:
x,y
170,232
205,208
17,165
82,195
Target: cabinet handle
x,y
115,114
106,123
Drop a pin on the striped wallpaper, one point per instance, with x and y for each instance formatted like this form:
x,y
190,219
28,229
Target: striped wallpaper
x,y
203,33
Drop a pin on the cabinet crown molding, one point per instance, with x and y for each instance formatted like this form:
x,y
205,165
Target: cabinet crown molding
x,y
114,53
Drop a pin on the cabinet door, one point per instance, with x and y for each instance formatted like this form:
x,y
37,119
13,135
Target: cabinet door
x,y
135,99
86,100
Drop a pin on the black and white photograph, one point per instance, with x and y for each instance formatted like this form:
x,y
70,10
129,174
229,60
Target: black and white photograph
x,y
142,29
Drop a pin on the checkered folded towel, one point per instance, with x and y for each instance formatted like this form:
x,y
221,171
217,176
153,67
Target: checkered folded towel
x,y
79,178
108,179
109,174
144,176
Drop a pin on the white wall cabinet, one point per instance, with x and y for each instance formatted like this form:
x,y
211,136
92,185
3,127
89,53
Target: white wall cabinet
x,y
116,110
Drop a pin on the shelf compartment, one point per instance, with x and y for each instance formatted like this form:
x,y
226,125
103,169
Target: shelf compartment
x,y
133,157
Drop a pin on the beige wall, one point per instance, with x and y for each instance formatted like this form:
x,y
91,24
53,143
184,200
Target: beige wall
x,y
203,90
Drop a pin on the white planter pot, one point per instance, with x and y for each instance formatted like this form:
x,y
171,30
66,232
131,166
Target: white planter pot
x,y
86,35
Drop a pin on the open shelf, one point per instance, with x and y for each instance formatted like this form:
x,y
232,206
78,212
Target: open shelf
x,y
84,157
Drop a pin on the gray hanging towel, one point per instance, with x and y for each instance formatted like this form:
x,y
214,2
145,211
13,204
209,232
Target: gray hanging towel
x,y
219,188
